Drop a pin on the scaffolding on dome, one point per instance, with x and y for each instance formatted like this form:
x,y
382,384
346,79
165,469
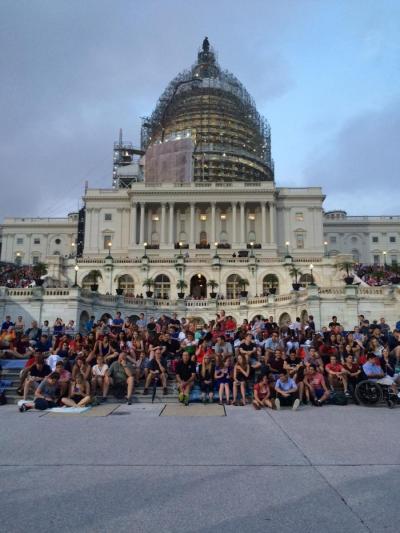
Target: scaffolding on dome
x,y
232,140
127,167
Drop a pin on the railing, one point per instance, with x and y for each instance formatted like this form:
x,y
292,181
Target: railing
x,y
57,292
334,290
19,292
197,303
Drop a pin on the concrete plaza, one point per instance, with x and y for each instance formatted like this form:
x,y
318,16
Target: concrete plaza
x,y
126,468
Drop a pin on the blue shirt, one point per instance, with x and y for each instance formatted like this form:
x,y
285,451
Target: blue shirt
x,y
286,385
371,369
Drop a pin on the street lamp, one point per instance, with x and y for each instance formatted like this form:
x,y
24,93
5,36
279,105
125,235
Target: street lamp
x,y
287,248
252,249
109,244
145,246
326,248
312,276
384,258
18,258
76,268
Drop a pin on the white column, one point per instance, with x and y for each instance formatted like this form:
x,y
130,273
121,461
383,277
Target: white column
x,y
133,224
242,223
234,222
192,224
272,222
149,225
171,223
212,240
263,224
141,237
163,223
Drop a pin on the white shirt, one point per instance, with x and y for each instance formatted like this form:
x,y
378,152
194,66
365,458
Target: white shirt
x,y
99,371
52,360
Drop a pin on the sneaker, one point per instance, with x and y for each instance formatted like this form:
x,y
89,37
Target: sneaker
x,y
22,408
296,404
187,400
277,404
129,401
347,394
181,396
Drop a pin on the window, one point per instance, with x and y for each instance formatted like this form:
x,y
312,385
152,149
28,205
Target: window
x,y
332,239
107,216
107,241
270,281
393,259
299,217
127,284
233,286
35,259
203,217
162,286
375,239
58,241
20,240
300,239
392,239
376,259
36,240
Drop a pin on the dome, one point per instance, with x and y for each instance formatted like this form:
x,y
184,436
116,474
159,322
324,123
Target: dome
x,y
232,141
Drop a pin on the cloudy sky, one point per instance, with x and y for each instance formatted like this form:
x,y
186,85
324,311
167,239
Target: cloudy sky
x,y
326,73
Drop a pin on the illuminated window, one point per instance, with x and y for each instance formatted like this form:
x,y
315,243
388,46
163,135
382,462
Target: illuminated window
x,y
203,217
299,217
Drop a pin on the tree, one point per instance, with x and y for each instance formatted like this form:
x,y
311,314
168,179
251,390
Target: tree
x,y
212,284
39,270
295,273
346,266
181,285
148,283
243,283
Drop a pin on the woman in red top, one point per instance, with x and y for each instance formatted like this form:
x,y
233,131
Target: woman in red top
x,y
262,393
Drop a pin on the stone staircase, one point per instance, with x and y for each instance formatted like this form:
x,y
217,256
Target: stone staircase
x,y
12,374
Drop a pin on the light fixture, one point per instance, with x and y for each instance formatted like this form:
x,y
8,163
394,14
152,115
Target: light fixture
x,y
76,268
199,276
216,244
155,217
203,217
252,216
223,216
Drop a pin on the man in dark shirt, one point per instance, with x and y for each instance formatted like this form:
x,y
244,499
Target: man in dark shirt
x,y
157,370
6,324
37,372
170,347
185,376
47,392
43,344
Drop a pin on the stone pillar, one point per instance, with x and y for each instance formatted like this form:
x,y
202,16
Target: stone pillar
x,y
163,224
192,224
133,224
141,229
242,223
272,223
212,223
263,224
171,223
234,222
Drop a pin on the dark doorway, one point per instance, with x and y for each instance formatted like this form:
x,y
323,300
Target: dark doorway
x,y
198,286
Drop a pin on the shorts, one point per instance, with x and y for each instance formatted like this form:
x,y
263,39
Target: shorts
x,y
76,398
318,393
387,380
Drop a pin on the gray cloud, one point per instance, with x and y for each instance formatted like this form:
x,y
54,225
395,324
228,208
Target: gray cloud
x,y
359,166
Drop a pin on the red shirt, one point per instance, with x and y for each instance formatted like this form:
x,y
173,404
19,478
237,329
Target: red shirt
x,y
337,367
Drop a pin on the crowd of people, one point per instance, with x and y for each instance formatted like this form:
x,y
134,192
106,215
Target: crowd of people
x,y
378,275
256,361
16,276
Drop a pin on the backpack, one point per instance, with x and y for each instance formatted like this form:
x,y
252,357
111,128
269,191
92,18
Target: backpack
x,y
337,398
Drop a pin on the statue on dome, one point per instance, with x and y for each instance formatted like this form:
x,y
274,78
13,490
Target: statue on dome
x,y
206,45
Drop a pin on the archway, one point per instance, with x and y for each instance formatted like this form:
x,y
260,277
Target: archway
x,y
198,286
233,286
162,286
284,320
127,284
270,281
91,279
305,280
83,319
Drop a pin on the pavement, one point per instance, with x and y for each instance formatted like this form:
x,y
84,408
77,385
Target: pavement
x,y
330,469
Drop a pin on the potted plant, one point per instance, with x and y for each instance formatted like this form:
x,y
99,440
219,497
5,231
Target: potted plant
x,y
181,286
213,285
119,291
295,273
39,270
148,283
243,283
347,266
95,275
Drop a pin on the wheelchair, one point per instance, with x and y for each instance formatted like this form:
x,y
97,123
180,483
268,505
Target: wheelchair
x,y
369,393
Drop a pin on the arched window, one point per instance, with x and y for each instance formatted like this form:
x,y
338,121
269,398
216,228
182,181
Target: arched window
x,y
251,236
127,284
270,281
305,280
203,237
91,279
232,286
162,286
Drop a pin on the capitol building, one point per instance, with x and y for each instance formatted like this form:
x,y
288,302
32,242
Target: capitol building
x,y
194,222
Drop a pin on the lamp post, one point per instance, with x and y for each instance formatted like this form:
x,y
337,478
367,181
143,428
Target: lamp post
x,y
326,248
145,246
76,268
384,259
216,249
312,276
287,248
252,249
18,259
109,244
